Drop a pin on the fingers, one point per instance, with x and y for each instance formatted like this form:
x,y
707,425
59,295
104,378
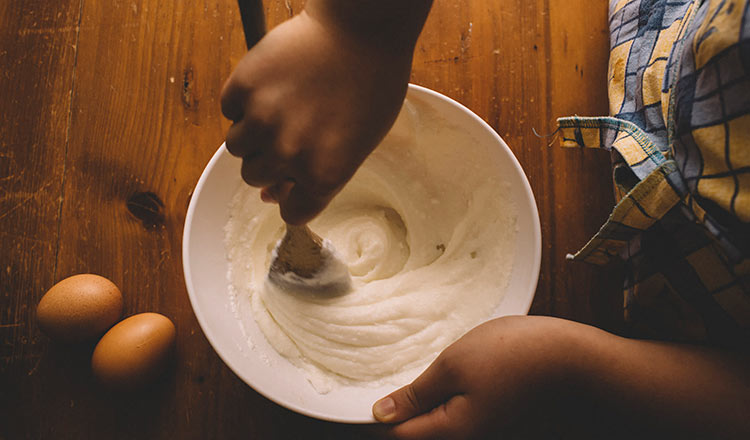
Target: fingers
x,y
300,186
297,204
453,419
432,388
263,162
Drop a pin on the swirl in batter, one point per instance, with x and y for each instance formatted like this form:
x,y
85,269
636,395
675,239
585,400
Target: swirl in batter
x,y
427,231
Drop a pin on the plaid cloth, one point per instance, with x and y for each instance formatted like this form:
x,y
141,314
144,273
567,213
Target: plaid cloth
x,y
679,133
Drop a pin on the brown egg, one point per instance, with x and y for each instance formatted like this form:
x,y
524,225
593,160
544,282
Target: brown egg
x,y
79,308
135,351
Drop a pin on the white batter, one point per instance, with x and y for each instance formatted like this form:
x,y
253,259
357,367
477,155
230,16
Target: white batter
x,y
427,231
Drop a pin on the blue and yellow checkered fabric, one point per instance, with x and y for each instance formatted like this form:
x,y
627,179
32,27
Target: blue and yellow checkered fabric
x,y
679,132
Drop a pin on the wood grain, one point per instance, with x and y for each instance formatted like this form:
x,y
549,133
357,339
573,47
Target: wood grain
x,y
520,65
109,112
37,55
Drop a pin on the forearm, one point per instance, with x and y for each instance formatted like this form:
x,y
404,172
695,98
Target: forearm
x,y
389,24
664,386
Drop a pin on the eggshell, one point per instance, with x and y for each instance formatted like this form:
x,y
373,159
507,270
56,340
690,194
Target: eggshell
x,y
79,308
135,351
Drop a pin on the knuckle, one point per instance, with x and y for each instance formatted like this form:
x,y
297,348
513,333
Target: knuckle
x,y
286,151
448,366
229,107
235,146
445,423
412,399
232,146
226,97
233,96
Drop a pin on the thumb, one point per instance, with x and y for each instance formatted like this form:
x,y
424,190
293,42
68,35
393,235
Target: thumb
x,y
431,389
298,204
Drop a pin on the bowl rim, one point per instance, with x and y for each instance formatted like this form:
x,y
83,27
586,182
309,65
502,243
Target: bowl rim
x,y
213,339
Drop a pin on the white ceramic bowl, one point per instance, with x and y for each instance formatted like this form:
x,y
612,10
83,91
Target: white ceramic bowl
x,y
205,265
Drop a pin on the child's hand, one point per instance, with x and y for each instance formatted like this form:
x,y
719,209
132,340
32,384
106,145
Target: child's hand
x,y
309,102
481,383
513,368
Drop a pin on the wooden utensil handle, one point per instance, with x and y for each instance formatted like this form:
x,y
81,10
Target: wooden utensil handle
x,y
299,252
253,21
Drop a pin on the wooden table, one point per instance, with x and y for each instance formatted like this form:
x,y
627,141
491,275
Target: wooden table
x,y
110,110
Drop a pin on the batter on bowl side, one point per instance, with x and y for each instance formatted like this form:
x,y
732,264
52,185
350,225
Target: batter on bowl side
x,y
427,229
